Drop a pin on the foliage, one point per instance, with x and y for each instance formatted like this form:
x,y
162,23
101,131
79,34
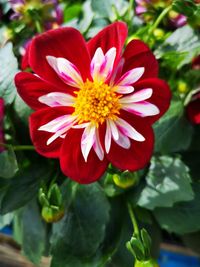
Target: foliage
x,y
89,225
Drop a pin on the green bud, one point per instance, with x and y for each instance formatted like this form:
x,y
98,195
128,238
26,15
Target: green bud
x,y
148,263
138,248
54,195
51,214
158,33
146,240
126,179
182,87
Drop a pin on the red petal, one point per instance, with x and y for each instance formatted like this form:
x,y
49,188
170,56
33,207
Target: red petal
x,y
113,35
39,138
193,111
31,87
138,54
72,162
139,154
25,58
64,42
161,95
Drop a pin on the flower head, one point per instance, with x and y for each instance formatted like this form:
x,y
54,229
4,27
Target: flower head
x,y
94,104
147,8
47,12
1,123
193,109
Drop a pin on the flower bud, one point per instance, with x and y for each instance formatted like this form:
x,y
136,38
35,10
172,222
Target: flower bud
x,y
182,87
52,203
158,33
126,179
52,214
148,263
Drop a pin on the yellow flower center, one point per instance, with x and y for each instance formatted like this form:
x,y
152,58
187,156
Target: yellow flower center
x,y
96,102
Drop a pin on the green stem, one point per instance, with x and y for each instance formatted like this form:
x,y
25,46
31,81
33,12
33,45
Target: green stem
x,y
133,219
38,26
131,6
18,148
159,19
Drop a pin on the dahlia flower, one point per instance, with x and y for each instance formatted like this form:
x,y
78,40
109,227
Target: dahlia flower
x,y
94,104
193,109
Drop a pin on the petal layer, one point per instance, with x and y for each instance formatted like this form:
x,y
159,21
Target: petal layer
x,y
137,54
73,164
193,111
113,35
160,97
31,87
40,138
65,42
139,153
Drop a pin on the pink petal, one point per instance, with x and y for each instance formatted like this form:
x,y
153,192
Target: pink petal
x,y
142,108
56,124
87,140
131,76
127,130
56,99
124,89
66,70
123,141
114,130
137,96
108,137
81,126
102,65
117,72
98,147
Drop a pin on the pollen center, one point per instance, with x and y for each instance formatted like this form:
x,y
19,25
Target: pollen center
x,y
96,102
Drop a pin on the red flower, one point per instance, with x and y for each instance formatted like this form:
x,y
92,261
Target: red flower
x,y
1,123
94,105
193,109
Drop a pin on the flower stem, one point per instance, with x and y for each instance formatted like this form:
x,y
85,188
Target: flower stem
x,y
38,26
133,219
18,148
130,9
159,19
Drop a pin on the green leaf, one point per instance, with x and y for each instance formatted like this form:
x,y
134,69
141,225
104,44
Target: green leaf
x,y
23,187
8,163
103,7
5,6
8,69
183,217
186,7
22,110
173,132
5,220
71,12
80,234
112,9
32,231
146,240
87,18
167,182
184,41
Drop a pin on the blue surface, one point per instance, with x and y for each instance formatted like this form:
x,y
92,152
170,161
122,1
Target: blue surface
x,y
6,230
166,259
171,259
